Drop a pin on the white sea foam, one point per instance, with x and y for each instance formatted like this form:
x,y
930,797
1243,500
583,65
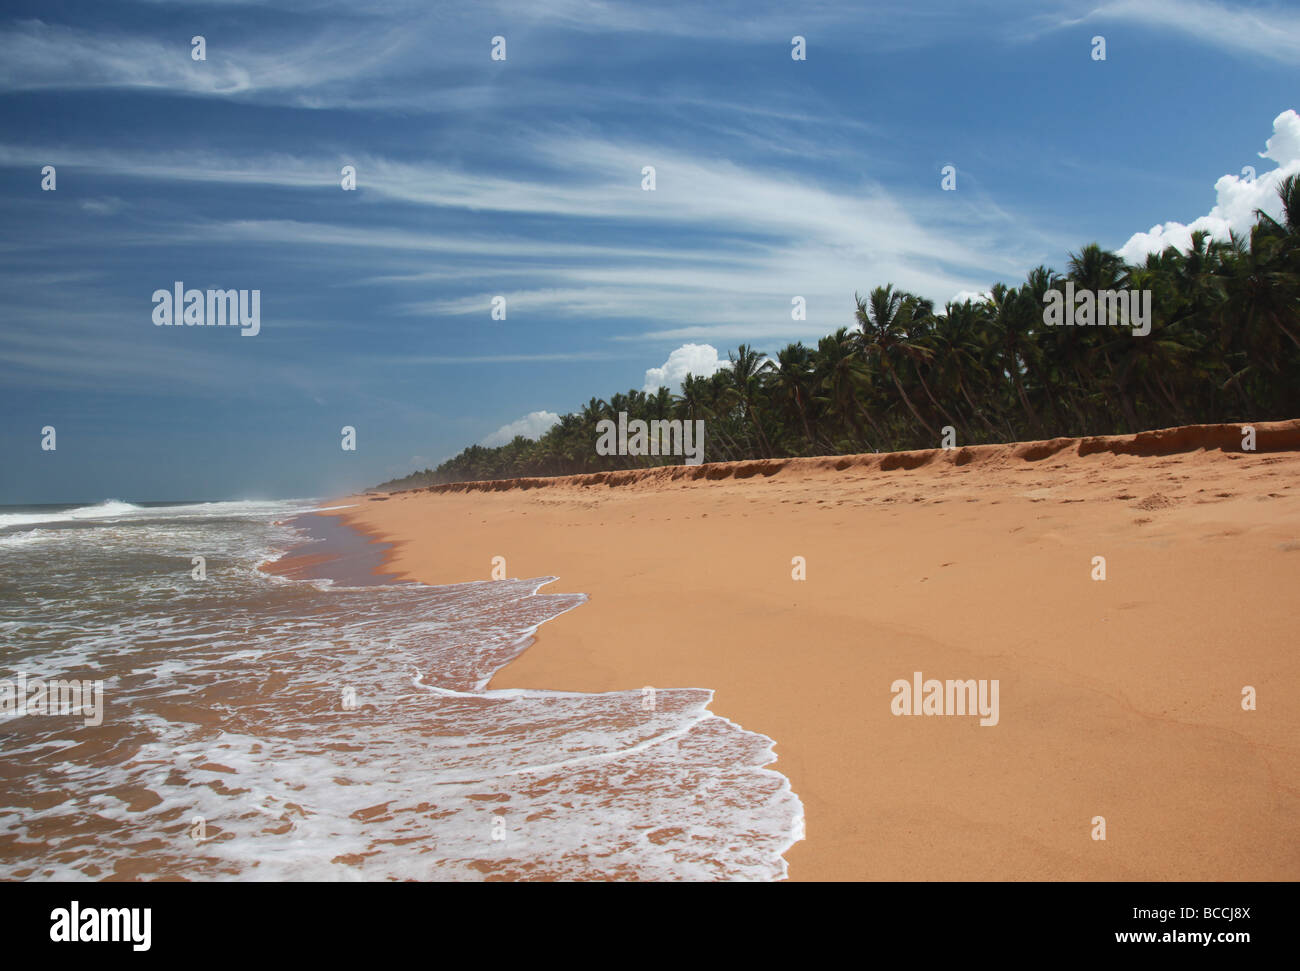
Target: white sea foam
x,y
103,510
223,701
116,509
23,537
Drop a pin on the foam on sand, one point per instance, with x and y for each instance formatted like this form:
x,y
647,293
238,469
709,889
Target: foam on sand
x,y
258,727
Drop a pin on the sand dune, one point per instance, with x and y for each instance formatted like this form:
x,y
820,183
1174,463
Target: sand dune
x,y
1119,698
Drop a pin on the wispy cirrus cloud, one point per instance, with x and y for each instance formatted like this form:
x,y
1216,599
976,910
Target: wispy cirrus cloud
x,y
759,235
103,207
1269,30
521,178
407,55
554,357
35,55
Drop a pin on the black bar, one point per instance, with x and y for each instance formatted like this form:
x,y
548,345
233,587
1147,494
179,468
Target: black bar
x,y
331,921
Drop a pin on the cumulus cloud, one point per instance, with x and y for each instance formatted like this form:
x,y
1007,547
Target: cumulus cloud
x,y
1237,197
533,425
978,296
698,359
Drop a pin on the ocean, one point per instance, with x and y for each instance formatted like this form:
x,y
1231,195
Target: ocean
x,y
260,727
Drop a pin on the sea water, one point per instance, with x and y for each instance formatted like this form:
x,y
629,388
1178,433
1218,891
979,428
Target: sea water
x,y
260,727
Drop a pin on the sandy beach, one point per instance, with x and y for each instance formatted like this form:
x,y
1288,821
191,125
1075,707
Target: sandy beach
x,y
1119,698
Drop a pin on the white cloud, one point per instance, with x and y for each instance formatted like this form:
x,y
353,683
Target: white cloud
x,y
1237,198
1269,31
800,236
1284,145
564,356
533,425
37,56
698,359
321,54
979,296
102,207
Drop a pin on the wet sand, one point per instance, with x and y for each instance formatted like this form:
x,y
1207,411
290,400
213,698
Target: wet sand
x,y
1119,698
334,551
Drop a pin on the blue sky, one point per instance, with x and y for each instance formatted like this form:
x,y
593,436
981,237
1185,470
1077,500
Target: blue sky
x,y
522,178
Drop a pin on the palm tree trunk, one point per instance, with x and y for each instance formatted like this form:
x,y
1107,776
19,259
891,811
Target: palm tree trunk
x,y
975,411
908,401
929,394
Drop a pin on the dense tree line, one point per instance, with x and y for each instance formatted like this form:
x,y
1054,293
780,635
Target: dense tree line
x,y
1224,346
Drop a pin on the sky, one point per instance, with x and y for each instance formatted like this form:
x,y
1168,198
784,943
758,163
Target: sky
x,y
522,177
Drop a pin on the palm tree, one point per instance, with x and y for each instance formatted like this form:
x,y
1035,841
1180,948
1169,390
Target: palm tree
x,y
791,380
1259,309
1289,227
747,370
958,353
1224,345
882,329
841,373
920,324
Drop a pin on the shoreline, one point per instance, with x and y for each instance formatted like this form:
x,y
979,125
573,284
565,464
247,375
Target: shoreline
x,y
334,551
1118,698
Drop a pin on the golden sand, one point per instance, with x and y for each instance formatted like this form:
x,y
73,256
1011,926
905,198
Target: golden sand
x,y
1119,698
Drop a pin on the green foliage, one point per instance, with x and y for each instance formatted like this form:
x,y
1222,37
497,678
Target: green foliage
x,y
1224,346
